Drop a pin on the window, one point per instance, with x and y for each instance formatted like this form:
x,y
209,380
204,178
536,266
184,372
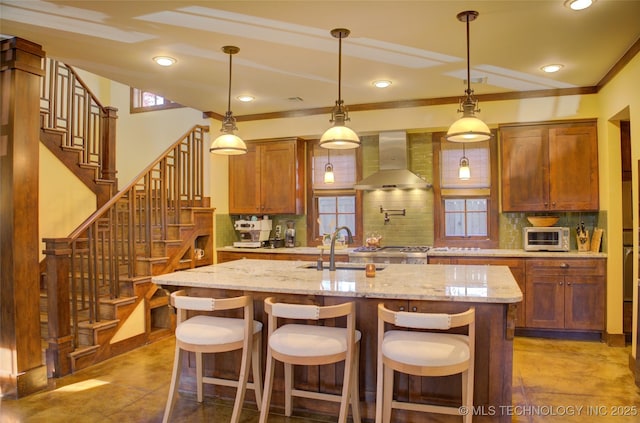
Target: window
x,y
144,101
336,204
466,211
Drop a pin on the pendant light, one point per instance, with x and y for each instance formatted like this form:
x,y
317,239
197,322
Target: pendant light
x,y
228,143
329,178
339,136
464,172
468,128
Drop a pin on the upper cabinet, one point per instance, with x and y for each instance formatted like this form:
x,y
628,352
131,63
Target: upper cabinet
x,y
549,167
269,179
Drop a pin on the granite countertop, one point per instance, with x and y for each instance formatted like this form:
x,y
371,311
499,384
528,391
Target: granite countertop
x,y
486,284
433,252
294,250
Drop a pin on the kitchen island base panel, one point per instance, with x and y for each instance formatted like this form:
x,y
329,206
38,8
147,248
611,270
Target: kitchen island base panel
x,y
493,361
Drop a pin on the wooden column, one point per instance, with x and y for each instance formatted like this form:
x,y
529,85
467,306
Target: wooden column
x,y
108,157
22,370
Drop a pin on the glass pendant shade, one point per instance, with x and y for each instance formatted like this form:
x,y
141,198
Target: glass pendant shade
x,y
464,172
329,177
228,143
468,129
339,136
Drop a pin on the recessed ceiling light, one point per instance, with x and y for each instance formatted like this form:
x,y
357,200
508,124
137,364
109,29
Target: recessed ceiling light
x,y
578,4
551,68
164,60
381,84
245,98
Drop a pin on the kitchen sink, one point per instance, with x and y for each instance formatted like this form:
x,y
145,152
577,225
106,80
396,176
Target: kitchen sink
x,y
343,266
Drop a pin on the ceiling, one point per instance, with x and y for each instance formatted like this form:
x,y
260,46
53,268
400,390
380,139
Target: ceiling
x,y
288,60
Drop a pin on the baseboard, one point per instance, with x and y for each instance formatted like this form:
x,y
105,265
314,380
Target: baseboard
x,y
615,339
560,334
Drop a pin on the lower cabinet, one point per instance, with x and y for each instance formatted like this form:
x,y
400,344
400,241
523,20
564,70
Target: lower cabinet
x,y
566,294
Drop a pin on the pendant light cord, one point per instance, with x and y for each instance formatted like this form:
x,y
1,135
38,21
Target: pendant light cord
x,y
229,96
340,69
468,60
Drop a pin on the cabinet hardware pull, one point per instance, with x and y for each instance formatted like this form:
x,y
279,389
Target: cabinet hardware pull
x,y
414,309
560,283
402,308
564,266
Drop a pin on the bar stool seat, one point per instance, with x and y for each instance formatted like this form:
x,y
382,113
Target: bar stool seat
x,y
425,350
202,334
310,345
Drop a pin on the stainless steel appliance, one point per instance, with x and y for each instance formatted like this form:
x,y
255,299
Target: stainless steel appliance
x,y
391,255
549,238
253,233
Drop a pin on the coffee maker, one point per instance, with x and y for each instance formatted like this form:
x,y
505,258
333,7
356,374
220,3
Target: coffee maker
x,y
290,234
253,233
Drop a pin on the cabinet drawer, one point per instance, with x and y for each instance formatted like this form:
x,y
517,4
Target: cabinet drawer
x,y
593,267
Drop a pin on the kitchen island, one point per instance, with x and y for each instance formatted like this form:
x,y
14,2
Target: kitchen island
x,y
492,290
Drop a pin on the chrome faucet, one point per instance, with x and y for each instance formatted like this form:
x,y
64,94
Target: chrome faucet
x,y
332,251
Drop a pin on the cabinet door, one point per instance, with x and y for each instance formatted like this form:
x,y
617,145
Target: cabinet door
x,y
545,301
244,182
573,168
525,162
584,302
278,177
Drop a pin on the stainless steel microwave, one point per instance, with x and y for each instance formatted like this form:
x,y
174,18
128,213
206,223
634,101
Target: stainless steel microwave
x,y
552,238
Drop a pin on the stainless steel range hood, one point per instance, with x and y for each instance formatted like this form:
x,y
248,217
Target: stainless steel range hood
x,y
393,171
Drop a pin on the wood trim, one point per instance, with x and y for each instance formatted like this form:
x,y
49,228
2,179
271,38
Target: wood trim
x,y
620,64
314,238
403,104
493,221
615,339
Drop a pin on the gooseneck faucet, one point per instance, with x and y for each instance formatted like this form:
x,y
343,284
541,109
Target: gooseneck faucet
x,y
332,251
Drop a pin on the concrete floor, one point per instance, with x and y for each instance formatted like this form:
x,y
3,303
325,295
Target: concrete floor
x,y
551,378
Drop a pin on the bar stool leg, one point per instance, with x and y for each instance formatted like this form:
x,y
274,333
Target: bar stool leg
x,y
242,380
355,390
256,365
288,386
175,382
266,394
199,376
387,394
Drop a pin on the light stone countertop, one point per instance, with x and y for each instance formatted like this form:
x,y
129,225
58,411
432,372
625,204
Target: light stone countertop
x,y
434,252
484,284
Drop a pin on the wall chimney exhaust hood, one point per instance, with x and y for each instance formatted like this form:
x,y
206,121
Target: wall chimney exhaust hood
x,y
393,173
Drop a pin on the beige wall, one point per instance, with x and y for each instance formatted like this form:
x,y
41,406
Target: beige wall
x,y
620,99
65,202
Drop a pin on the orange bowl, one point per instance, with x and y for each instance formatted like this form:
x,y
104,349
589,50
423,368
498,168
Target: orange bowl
x,y
543,220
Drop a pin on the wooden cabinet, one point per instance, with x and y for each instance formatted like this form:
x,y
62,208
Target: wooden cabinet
x,y
550,167
565,294
269,179
516,265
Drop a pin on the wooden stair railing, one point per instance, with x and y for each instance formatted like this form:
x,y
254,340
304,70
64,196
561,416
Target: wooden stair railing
x,y
79,130
116,244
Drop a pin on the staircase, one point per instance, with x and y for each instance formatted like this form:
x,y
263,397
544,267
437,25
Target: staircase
x,y
97,298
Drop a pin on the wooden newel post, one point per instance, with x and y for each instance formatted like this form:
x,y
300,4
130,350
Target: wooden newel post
x,y
108,157
109,145
21,368
60,338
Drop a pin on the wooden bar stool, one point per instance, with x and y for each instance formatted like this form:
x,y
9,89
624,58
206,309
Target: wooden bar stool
x,y
311,345
423,353
212,334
